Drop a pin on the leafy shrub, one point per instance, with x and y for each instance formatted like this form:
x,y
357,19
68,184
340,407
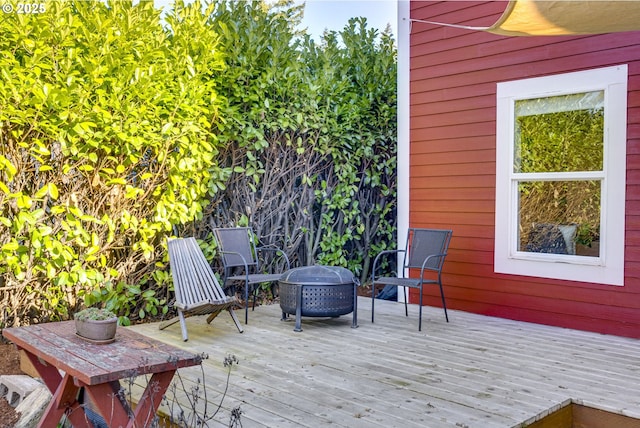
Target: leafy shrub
x,y
105,144
118,130
309,133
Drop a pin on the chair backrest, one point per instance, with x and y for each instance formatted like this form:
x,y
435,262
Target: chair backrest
x,y
233,241
193,278
422,243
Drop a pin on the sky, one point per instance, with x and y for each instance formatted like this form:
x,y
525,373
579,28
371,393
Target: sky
x,y
334,14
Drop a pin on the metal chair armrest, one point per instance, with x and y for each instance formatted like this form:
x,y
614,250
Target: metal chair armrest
x,y
375,261
244,261
373,276
426,260
277,250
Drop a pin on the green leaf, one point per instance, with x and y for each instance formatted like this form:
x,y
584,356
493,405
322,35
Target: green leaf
x,y
10,247
24,201
53,190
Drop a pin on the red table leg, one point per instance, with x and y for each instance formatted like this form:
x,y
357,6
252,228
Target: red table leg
x,y
49,374
64,394
114,411
108,404
64,401
151,398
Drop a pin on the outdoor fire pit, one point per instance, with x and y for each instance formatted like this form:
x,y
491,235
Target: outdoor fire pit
x,y
318,291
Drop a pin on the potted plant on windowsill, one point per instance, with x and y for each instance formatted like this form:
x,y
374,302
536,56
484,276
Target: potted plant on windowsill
x,y
96,324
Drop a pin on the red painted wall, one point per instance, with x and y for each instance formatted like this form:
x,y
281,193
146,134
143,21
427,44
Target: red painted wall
x,y
453,106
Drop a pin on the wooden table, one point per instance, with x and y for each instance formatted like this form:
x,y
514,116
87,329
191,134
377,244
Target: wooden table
x,y
97,369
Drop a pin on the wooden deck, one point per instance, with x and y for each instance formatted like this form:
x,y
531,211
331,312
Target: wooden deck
x,y
474,371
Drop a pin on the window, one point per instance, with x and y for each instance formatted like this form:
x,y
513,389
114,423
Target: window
x,y
560,177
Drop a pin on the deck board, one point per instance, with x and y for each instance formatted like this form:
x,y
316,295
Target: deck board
x,y
474,371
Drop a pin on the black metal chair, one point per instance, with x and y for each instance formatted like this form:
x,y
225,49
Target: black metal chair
x,y
239,253
425,250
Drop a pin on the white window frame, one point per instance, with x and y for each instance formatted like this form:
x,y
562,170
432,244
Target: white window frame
x,y
608,268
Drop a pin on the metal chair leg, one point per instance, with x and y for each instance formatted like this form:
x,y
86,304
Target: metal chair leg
x,y
373,299
444,305
246,304
406,308
420,311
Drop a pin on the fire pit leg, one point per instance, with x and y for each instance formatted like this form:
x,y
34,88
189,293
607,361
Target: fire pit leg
x,y
354,317
298,326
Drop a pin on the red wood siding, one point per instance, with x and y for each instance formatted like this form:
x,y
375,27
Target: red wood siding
x,y
453,106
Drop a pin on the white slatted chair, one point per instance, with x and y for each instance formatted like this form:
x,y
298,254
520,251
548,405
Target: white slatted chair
x,y
197,290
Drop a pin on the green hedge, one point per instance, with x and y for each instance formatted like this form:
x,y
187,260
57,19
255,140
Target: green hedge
x,y
119,129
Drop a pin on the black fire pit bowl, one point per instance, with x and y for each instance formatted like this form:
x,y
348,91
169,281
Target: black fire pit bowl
x,y
318,291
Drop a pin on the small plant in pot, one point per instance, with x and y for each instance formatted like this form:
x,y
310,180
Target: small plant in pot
x,y
96,324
